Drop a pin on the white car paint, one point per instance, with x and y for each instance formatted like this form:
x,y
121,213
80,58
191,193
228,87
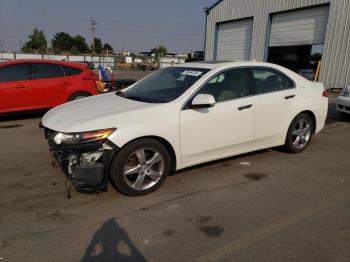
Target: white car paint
x,y
198,135
343,101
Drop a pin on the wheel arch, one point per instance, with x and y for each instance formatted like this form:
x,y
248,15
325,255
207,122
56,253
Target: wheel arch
x,y
310,114
165,143
313,118
77,92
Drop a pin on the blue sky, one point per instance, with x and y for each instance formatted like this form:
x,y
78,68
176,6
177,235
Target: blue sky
x,y
140,24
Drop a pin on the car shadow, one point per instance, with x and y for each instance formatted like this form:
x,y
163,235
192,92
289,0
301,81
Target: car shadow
x,y
222,161
111,243
22,115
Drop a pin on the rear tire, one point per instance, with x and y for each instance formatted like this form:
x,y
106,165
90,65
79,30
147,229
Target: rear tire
x,y
140,167
299,134
78,96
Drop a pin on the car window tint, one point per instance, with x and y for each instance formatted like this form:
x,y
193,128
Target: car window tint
x,y
165,85
217,79
71,71
42,70
230,84
14,72
269,80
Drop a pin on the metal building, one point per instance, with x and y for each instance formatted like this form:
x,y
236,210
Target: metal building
x,y
294,33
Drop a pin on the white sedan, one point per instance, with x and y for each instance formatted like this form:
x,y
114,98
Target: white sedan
x,y
182,116
343,102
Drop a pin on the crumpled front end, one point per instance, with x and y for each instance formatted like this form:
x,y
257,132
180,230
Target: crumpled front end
x,y
85,164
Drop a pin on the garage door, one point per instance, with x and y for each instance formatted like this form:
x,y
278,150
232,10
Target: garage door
x,y
302,27
234,40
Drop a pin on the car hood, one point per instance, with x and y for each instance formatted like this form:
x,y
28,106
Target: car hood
x,y
93,113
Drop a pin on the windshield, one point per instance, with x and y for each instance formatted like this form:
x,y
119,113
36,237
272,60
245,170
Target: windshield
x,y
165,85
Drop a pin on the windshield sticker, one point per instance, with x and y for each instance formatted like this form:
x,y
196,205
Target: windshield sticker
x,y
191,73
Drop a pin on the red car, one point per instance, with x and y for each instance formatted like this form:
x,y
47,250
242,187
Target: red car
x,y
39,84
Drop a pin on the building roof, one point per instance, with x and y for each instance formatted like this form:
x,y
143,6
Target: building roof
x,y
213,6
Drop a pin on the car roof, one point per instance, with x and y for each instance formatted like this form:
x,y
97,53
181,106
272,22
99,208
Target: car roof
x,y
202,64
68,63
225,64
222,65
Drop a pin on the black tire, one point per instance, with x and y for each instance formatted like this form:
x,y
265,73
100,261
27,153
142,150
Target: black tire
x,y
117,176
289,146
345,116
77,96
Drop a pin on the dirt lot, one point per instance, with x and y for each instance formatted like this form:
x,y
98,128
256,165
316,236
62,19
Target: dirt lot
x,y
265,206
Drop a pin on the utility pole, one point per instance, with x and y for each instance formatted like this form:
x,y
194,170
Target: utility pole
x,y
93,28
20,44
2,48
107,58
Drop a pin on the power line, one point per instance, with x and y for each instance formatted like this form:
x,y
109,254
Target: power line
x,y
93,28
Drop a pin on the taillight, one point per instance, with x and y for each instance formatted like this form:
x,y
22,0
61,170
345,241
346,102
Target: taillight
x,y
91,76
325,93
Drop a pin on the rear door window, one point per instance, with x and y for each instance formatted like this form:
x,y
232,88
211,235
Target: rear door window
x,y
15,72
71,71
43,70
268,80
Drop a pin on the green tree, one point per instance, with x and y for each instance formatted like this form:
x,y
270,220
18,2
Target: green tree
x,y
98,45
159,51
74,51
37,42
62,41
80,44
57,51
109,47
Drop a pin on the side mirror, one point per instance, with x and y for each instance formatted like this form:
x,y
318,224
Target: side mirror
x,y
203,101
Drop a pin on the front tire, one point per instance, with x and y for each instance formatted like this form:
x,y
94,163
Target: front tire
x,y
299,133
140,167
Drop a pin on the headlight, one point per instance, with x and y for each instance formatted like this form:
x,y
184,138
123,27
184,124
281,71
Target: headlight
x,y
74,138
345,91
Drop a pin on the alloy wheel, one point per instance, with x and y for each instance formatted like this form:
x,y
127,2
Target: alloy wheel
x,y
143,168
301,133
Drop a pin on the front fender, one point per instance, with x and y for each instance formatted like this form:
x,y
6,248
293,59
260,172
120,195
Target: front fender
x,y
166,131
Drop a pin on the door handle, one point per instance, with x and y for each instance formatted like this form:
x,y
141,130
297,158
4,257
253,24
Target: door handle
x,y
245,107
289,97
20,86
62,82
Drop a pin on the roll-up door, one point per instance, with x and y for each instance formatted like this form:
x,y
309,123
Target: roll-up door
x,y
301,27
233,41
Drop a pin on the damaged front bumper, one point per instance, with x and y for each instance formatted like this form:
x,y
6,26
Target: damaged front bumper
x,y
85,164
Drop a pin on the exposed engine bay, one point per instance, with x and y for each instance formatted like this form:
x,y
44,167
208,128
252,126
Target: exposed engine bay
x,y
85,164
